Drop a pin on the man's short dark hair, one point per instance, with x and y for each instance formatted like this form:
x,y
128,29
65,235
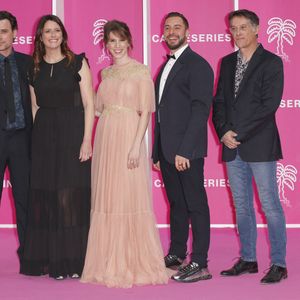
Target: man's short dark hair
x,y
177,14
248,14
5,15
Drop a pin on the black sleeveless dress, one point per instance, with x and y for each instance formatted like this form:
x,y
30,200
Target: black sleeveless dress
x,y
59,208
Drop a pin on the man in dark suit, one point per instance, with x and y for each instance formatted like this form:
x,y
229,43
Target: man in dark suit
x,y
184,89
15,120
249,93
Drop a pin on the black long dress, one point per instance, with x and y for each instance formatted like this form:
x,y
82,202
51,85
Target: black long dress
x,y
59,209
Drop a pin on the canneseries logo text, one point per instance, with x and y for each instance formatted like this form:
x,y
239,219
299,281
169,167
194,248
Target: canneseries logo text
x,y
23,40
290,103
286,180
6,184
98,34
281,32
208,183
199,38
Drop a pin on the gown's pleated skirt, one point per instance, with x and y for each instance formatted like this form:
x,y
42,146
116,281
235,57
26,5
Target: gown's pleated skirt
x,y
123,246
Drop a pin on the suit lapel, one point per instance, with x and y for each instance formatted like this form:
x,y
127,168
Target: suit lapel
x,y
254,62
22,76
232,69
2,81
157,81
175,69
177,66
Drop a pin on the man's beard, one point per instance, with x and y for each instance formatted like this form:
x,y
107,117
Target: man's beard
x,y
181,41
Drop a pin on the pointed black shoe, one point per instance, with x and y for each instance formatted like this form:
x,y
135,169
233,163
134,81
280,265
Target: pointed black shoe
x,y
274,275
241,267
173,261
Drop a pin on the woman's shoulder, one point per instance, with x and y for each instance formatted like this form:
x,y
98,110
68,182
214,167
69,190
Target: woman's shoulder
x,y
80,56
105,72
139,66
78,59
138,69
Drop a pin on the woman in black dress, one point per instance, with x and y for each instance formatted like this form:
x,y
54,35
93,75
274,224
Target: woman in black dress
x,y
63,112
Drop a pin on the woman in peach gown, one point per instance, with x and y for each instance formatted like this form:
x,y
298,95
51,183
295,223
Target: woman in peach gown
x,y
123,246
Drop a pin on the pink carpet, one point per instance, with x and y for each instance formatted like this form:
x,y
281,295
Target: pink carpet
x,y
224,247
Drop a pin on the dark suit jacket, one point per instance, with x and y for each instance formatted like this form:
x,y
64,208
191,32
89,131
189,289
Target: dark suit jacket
x,y
24,62
184,108
252,113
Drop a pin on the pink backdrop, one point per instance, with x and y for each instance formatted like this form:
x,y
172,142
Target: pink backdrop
x,y
84,21
283,20
209,37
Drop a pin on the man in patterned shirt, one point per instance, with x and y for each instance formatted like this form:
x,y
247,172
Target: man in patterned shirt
x,y
249,92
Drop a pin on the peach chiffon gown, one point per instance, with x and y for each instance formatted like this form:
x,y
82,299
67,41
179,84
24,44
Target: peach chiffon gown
x,y
123,246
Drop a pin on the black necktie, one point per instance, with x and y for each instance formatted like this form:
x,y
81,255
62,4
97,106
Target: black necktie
x,y
9,99
171,56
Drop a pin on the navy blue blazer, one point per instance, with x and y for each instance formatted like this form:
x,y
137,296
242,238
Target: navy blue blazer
x,y
184,108
252,113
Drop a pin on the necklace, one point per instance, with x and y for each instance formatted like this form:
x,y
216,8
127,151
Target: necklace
x,y
52,64
51,71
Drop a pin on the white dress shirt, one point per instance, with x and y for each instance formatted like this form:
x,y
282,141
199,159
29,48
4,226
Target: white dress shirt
x,y
167,70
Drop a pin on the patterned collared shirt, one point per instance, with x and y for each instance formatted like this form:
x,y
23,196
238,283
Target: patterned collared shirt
x,y
241,67
19,122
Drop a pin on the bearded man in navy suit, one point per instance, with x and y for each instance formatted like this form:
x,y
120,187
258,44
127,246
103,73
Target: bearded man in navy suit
x,y
184,89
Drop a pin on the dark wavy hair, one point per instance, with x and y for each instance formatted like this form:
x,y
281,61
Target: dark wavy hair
x,y
6,15
39,47
119,28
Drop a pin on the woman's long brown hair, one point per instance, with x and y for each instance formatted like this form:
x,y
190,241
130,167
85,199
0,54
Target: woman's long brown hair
x,y
39,47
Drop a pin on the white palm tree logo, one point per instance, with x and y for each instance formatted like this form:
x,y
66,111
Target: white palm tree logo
x,y
282,31
98,34
286,176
